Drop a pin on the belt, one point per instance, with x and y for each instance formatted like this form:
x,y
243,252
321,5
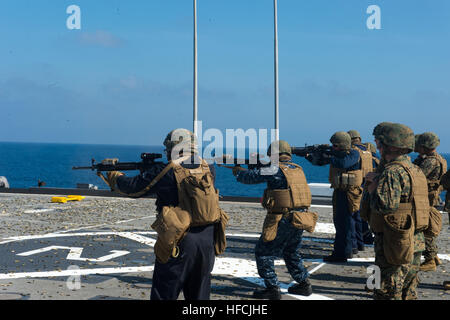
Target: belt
x,y
287,214
287,210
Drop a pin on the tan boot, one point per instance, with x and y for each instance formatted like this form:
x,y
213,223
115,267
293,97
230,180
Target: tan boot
x,y
437,261
428,265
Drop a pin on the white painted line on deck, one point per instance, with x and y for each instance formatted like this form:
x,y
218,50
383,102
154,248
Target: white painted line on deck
x,y
74,272
136,237
325,228
106,224
361,260
243,235
316,268
75,253
58,235
246,270
128,235
130,220
444,256
321,206
83,228
38,210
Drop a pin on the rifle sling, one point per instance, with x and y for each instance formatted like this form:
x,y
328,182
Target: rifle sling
x,y
155,180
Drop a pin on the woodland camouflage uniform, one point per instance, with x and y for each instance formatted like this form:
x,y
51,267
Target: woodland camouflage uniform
x,y
394,186
434,167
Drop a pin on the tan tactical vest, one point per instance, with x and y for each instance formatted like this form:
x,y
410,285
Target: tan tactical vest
x,y
198,205
280,202
197,194
374,159
418,207
366,161
341,179
351,181
297,195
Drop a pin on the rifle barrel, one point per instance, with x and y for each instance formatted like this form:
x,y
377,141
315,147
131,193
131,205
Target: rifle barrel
x,y
83,168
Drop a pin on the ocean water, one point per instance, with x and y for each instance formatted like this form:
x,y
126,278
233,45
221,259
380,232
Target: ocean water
x,y
23,164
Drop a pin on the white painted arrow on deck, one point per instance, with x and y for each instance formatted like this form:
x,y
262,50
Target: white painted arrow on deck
x,y
75,253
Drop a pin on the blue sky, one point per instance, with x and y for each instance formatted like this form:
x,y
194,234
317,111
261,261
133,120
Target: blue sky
x,y
126,76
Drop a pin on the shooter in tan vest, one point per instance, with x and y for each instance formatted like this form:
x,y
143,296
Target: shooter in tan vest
x,y
287,200
190,223
361,233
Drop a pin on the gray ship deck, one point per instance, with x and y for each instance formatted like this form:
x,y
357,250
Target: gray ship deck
x,y
107,244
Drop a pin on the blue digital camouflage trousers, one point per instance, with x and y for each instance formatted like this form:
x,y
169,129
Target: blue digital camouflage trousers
x,y
286,245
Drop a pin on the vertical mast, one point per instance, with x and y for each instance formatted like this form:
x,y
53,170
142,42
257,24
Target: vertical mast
x,y
277,133
195,69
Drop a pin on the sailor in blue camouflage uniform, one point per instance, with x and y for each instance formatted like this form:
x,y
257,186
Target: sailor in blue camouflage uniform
x,y
280,238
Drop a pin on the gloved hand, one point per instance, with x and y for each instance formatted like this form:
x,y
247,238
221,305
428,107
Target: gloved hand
x,y
111,178
309,157
237,169
318,159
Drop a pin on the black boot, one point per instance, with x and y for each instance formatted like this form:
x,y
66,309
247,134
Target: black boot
x,y
303,288
273,293
334,258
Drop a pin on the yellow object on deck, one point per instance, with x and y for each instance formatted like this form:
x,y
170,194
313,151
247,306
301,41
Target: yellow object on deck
x,y
68,198
75,198
59,199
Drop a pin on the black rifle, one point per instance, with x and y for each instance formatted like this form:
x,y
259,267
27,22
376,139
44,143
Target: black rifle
x,y
229,162
148,160
318,154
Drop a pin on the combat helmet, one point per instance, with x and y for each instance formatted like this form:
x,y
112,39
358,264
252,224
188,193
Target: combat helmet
x,y
283,147
397,135
429,140
354,134
183,139
379,128
342,140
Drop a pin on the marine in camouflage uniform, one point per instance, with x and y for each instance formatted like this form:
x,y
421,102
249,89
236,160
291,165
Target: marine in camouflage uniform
x,y
445,182
392,187
433,166
288,239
